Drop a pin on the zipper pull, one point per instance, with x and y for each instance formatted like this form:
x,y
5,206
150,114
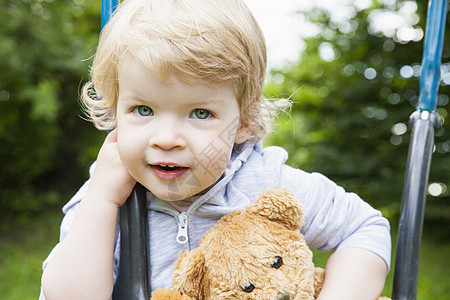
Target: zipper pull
x,y
182,236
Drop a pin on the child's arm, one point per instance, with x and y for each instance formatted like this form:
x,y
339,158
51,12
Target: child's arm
x,y
353,273
82,266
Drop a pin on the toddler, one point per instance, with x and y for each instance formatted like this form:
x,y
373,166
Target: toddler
x,y
181,83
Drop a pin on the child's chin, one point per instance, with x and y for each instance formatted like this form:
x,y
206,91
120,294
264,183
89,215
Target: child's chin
x,y
171,196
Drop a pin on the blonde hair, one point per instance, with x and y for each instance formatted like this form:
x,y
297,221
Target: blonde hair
x,y
209,41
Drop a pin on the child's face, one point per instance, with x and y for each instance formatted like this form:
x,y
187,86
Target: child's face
x,y
174,138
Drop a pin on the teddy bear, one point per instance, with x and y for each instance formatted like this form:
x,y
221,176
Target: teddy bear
x,y
254,253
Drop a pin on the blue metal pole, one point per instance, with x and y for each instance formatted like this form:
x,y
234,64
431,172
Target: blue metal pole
x,y
132,282
424,122
432,53
108,7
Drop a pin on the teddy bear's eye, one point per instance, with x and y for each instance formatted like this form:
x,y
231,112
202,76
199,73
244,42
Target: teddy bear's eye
x,y
248,288
277,262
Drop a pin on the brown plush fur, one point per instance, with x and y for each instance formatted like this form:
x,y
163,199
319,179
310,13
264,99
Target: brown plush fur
x,y
240,250
168,294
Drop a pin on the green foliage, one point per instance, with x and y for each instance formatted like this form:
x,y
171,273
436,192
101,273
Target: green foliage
x,y
351,109
44,46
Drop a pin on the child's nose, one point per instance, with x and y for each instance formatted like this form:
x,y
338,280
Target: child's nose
x,y
168,135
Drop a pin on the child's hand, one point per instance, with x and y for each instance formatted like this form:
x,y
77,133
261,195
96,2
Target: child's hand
x,y
85,255
111,181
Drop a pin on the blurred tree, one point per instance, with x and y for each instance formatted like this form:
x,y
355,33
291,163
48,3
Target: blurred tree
x,y
44,144
354,87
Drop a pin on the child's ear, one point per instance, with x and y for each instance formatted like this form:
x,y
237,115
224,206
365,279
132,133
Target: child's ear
x,y
243,134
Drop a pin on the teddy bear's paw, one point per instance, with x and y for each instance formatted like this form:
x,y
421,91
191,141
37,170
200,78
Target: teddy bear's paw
x,y
168,294
319,277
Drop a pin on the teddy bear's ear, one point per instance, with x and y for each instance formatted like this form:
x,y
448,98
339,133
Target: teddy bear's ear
x,y
189,273
279,205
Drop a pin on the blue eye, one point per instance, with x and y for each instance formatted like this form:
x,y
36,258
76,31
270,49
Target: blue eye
x,y
201,114
143,111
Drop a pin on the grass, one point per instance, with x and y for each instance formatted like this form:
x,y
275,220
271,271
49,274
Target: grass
x,y
23,249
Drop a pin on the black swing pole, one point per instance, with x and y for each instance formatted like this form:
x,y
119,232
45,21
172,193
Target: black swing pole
x,y
132,282
424,122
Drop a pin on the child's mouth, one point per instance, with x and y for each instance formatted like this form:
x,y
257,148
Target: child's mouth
x,y
169,167
168,172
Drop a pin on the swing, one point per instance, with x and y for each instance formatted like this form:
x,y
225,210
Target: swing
x,y
133,279
424,122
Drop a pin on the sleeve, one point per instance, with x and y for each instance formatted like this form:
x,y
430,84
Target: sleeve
x,y
336,219
69,211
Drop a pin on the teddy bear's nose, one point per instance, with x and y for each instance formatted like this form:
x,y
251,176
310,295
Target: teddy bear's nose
x,y
282,296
